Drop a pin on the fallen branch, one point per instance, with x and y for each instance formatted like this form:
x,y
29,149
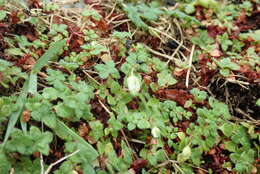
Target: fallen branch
x,y
59,161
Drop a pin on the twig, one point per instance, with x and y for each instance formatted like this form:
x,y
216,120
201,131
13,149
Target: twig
x,y
106,109
190,64
136,141
154,29
12,171
181,43
42,164
244,114
59,161
85,72
158,53
122,131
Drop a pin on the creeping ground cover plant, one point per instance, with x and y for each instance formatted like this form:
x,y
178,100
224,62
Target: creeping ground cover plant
x,y
129,87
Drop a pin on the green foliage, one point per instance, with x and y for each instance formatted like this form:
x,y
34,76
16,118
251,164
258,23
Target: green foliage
x,y
165,79
226,64
181,15
59,28
9,74
203,40
107,69
124,104
141,13
34,141
91,13
224,41
258,102
2,14
199,96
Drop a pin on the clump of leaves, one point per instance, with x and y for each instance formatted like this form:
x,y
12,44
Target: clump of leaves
x,y
141,12
9,74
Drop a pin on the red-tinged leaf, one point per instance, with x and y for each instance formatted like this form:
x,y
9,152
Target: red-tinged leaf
x,y
83,130
199,13
89,2
39,52
57,20
102,25
214,30
34,4
241,18
27,30
216,53
138,164
179,72
22,60
26,115
179,96
14,17
4,28
168,149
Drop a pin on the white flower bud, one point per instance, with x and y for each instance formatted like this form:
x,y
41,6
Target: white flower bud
x,y
133,84
156,132
186,152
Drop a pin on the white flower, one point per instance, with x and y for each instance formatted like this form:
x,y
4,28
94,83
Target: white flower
x,y
185,155
186,152
156,132
133,84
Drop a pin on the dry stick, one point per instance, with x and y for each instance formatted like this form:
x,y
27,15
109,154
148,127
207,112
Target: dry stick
x,y
111,12
123,133
59,161
118,23
12,171
42,164
181,43
154,29
158,53
174,163
136,141
113,18
190,64
245,114
85,72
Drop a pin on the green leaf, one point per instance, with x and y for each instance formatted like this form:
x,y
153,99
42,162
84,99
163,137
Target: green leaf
x,y
15,115
227,129
15,51
50,93
96,130
5,165
34,141
185,155
225,72
258,102
224,41
64,111
179,14
254,34
143,124
2,14
203,40
55,49
92,13
227,63
139,12
121,35
165,79
32,83
198,95
107,69
91,153
230,146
